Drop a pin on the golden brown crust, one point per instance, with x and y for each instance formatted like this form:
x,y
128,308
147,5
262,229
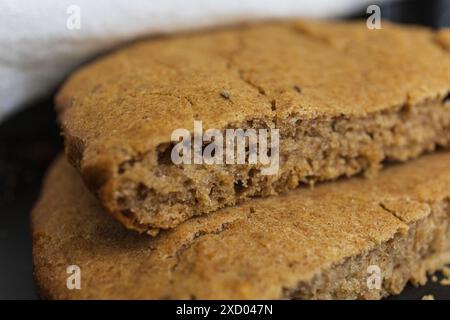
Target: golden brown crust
x,y
118,111
308,244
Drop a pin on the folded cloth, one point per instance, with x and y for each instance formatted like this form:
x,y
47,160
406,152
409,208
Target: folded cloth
x,y
42,41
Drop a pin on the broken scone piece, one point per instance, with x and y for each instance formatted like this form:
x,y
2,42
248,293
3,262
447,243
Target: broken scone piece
x,y
350,239
344,99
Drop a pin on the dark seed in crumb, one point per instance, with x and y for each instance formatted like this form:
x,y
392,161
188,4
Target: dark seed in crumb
x,y
225,94
298,89
274,105
262,91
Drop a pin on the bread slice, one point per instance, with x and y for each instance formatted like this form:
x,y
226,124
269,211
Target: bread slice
x,y
344,99
326,243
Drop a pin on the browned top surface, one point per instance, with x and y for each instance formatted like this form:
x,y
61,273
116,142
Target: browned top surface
x,y
130,101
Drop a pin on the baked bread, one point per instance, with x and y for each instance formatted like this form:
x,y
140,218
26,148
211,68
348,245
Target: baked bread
x,y
308,244
344,98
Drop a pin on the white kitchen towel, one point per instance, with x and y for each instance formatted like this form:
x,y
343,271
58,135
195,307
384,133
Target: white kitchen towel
x,y
41,41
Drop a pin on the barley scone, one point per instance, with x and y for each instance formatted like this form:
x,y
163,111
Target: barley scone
x,y
344,98
309,244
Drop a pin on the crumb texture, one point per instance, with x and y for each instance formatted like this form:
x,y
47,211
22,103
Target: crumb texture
x,y
308,244
344,98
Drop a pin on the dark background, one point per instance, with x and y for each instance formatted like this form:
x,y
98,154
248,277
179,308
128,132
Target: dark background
x,y
30,140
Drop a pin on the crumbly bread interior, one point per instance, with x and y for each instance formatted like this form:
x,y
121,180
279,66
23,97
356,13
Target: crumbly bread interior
x,y
310,152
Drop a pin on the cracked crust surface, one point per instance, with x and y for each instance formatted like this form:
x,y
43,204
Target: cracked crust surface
x,y
345,98
310,244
